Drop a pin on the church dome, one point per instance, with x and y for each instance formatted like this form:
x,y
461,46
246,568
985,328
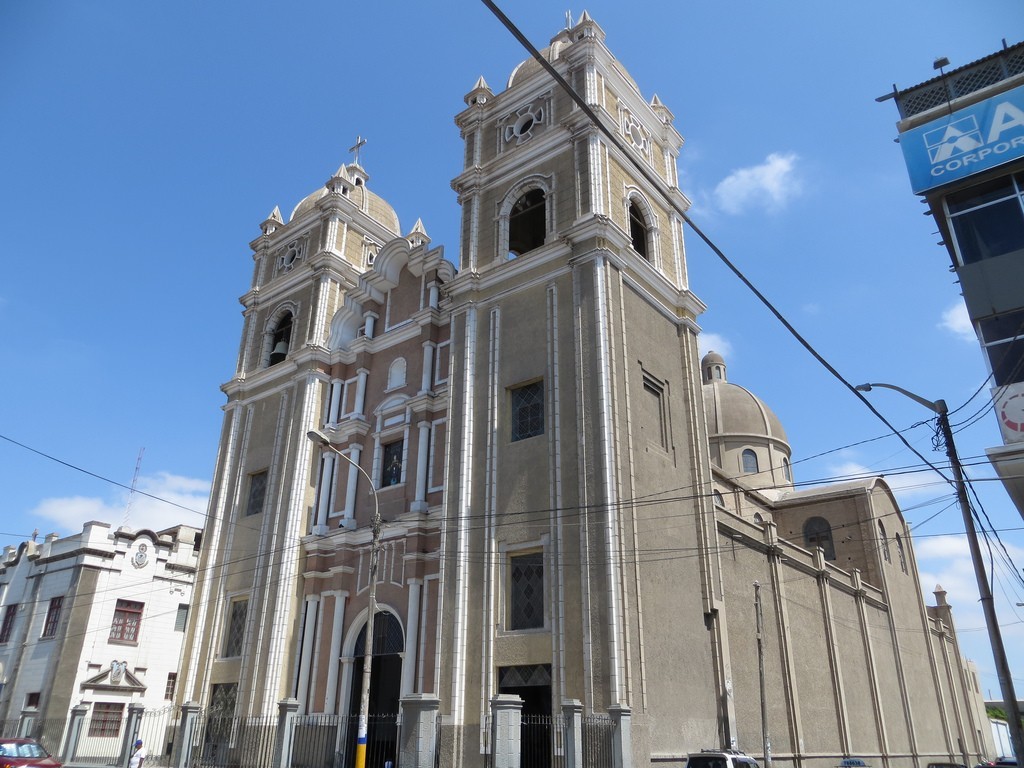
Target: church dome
x,y
529,66
372,204
745,436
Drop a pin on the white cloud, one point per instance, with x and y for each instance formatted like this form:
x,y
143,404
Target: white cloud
x,y
71,512
713,342
769,185
958,322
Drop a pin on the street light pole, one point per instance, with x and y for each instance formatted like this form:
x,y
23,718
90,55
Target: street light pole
x,y
938,407
364,700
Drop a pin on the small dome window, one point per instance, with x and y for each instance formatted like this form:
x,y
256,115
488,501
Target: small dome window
x,y
749,459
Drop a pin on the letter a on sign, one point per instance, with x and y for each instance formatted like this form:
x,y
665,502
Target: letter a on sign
x,y
1006,116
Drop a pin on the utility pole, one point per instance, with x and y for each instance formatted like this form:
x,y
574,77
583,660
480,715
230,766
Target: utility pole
x,y
766,741
938,407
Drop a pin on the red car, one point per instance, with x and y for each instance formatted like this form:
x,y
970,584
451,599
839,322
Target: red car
x,y
25,753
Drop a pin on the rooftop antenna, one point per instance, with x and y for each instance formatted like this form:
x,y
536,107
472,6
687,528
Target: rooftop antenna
x,y
131,492
568,19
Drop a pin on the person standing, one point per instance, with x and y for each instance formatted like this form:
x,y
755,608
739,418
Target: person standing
x,y
138,755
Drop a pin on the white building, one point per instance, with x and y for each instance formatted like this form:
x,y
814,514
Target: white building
x,y
96,618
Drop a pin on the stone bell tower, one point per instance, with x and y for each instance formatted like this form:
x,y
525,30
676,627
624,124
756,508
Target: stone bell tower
x,y
577,560
340,324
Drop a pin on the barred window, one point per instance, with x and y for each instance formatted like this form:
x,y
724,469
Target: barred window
x,y
528,411
526,591
52,617
127,621
106,719
257,493
8,626
236,628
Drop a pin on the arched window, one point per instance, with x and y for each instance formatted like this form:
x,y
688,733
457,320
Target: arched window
x,y
280,339
388,637
787,472
719,499
638,229
527,223
885,542
758,518
749,461
818,533
902,555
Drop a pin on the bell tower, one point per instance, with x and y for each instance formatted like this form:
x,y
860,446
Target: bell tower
x,y
579,476
240,657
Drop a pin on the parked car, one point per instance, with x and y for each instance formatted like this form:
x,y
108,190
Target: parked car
x,y
852,762
1005,760
720,758
25,753
946,765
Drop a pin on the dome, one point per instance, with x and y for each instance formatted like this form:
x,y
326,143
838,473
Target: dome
x,y
528,67
745,436
373,205
732,410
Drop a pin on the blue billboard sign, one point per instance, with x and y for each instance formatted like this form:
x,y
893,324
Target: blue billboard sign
x,y
965,142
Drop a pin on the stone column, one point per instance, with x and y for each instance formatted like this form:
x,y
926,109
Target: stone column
x,y
309,638
506,720
326,488
422,451
411,637
371,320
286,711
355,452
76,721
131,732
337,630
427,379
334,409
416,740
186,736
360,403
622,738
572,716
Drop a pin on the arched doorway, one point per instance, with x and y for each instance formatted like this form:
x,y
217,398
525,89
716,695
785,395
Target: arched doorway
x,y
385,690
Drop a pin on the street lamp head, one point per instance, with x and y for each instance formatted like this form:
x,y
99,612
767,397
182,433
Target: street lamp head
x,y
318,437
863,387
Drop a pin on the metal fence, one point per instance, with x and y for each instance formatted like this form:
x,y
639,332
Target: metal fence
x,y
598,731
234,742
540,741
49,732
158,729
329,741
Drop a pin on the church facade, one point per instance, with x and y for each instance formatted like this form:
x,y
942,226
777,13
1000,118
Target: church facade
x,y
574,505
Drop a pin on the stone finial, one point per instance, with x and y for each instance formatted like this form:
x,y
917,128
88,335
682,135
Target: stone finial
x,y
481,92
272,222
663,112
418,235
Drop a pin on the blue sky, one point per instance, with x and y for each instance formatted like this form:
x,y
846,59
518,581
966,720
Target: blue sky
x,y
145,143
